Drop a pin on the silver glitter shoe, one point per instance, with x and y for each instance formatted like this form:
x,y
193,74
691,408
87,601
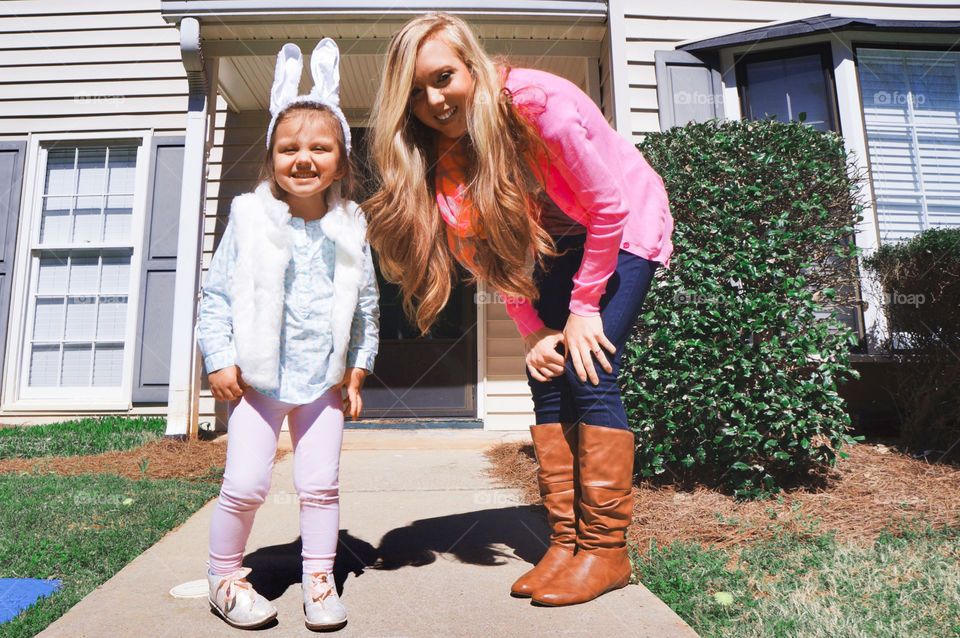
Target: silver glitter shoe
x,y
235,600
321,605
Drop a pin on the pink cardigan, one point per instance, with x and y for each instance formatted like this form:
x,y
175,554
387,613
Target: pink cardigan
x,y
598,179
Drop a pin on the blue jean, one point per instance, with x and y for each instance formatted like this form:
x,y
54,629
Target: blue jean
x,y
565,399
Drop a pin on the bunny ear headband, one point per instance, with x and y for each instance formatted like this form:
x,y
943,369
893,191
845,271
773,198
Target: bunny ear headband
x,y
325,69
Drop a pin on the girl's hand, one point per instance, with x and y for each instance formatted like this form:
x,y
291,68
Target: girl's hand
x,y
353,379
227,384
584,338
543,360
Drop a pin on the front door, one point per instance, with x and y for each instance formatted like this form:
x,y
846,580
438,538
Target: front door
x,y
416,376
433,376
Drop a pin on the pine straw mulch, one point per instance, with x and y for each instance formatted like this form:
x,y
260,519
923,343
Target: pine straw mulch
x,y
879,487
164,459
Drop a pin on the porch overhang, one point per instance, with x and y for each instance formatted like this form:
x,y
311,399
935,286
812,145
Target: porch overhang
x,y
812,26
373,10
560,36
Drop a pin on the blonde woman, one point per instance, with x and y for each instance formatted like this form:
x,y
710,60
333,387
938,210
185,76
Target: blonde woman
x,y
490,166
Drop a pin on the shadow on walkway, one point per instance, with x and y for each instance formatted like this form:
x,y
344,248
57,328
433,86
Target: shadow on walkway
x,y
468,537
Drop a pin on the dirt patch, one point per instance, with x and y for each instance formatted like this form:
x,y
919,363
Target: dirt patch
x,y
878,487
163,459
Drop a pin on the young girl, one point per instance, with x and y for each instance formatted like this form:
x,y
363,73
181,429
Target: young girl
x,y
288,316
490,165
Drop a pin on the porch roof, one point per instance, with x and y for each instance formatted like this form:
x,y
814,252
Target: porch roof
x,y
292,10
559,36
817,24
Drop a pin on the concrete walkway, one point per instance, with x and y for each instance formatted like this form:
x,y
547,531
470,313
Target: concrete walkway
x,y
450,543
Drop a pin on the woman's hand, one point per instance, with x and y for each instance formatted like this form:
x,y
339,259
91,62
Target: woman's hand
x,y
584,338
543,360
226,384
353,379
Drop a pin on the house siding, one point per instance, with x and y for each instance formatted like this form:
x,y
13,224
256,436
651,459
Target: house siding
x,y
89,66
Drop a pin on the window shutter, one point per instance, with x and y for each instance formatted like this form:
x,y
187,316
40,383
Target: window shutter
x,y
11,181
158,273
688,88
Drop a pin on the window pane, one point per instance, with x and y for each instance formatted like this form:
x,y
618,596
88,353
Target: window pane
x,y
91,166
112,319
83,274
60,173
55,220
115,277
48,320
81,318
116,223
43,365
77,362
52,279
86,225
108,366
933,85
123,164
787,87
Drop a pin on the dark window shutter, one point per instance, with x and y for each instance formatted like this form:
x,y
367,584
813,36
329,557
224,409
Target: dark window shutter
x,y
154,329
11,181
688,88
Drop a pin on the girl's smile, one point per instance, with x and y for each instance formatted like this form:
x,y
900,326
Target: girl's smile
x,y
306,161
442,88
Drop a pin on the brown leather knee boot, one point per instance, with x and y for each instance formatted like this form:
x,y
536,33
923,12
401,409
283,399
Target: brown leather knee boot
x,y
556,447
606,507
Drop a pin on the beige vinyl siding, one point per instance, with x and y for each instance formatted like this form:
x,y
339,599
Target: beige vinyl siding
x,y
652,26
89,66
508,402
80,67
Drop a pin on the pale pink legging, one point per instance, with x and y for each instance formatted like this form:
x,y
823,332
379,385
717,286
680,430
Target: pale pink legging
x,y
252,431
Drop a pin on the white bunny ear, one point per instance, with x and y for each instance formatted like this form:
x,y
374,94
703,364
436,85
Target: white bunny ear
x,y
325,68
286,78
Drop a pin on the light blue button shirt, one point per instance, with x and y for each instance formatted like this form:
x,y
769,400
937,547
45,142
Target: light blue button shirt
x,y
305,339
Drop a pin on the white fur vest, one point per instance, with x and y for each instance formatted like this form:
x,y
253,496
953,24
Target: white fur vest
x,y
264,248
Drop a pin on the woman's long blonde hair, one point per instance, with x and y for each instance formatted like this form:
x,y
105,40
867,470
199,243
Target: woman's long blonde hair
x,y
405,226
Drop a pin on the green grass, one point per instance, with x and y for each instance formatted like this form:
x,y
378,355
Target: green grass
x,y
82,530
807,584
80,437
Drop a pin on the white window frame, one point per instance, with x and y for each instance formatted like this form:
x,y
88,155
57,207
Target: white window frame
x,y
17,396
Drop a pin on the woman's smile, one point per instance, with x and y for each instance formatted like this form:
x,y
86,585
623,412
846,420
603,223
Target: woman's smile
x,y
446,116
442,88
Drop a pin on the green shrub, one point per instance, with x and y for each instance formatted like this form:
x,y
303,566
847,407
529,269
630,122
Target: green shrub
x,y
735,366
920,280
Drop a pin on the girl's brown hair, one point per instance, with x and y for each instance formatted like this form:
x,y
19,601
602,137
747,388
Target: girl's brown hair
x,y
405,227
318,112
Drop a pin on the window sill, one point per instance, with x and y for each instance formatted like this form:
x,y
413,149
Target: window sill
x,y
62,406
